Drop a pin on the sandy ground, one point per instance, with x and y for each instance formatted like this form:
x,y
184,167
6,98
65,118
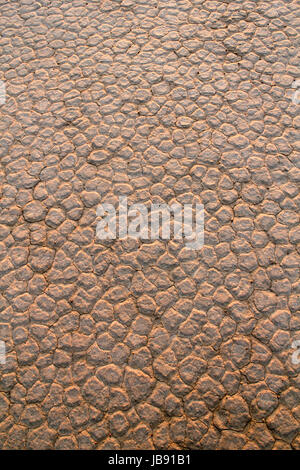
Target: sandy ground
x,y
130,344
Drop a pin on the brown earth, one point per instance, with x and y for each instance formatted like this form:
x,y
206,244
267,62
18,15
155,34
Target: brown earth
x,y
146,344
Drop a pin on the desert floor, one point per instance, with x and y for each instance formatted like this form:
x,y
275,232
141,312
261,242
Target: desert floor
x,y
147,344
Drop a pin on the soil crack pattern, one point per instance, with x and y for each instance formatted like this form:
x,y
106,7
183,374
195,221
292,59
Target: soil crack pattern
x,y
134,343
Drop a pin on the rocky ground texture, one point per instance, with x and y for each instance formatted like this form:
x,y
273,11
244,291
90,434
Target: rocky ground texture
x,y
134,344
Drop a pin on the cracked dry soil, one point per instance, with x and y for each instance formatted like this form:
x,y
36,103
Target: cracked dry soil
x,y
130,344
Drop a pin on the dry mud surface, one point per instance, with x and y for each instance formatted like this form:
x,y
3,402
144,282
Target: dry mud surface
x,y
145,344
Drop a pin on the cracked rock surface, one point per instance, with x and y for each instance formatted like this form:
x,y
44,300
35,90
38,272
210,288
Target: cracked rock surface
x,y
130,344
